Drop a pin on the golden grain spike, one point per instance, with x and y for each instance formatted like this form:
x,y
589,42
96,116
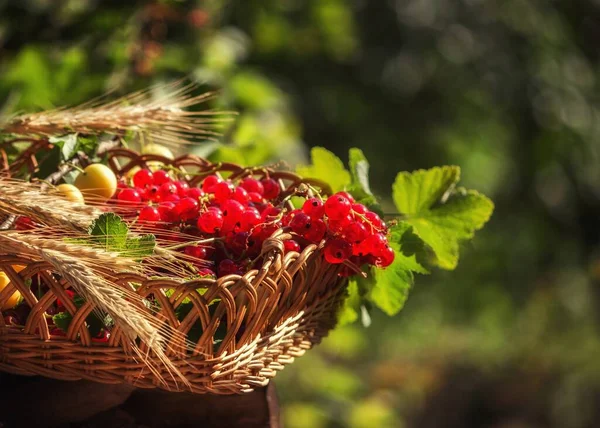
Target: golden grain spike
x,y
159,114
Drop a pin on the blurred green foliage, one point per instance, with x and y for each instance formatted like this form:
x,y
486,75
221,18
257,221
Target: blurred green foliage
x,y
507,90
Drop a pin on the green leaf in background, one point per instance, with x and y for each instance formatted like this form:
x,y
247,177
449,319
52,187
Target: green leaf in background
x,y
349,312
67,144
326,167
440,217
416,192
359,185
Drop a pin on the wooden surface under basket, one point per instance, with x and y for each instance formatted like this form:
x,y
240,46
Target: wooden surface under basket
x,y
270,315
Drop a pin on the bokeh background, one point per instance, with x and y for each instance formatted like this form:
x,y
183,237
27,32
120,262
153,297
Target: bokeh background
x,y
507,89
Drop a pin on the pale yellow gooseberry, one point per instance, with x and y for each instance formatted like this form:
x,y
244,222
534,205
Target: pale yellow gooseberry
x,y
70,193
97,181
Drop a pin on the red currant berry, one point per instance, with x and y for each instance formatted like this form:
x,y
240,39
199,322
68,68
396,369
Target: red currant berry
x,y
355,232
149,214
151,193
209,183
314,208
252,185
300,223
337,251
143,178
186,209
129,196
166,210
250,218
271,188
211,221
375,244
337,226
337,207
196,252
160,177
182,188
227,267
241,195
255,197
347,196
166,190
291,245
24,223
223,191
375,221
270,213
359,208
194,193
386,257
232,210
238,242
317,231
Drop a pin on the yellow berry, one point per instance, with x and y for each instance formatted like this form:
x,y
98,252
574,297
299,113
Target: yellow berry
x,y
97,181
71,193
12,300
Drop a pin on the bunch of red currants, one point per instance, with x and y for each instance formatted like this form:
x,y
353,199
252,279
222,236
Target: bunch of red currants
x,y
239,216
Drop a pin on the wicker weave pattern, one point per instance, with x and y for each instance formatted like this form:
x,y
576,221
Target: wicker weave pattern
x,y
272,314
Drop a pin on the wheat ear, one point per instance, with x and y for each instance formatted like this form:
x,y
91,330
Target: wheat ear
x,y
158,113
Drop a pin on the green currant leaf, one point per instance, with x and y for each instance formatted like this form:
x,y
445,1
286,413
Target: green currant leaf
x,y
62,320
359,185
139,246
439,214
391,286
67,144
349,311
112,234
418,191
407,247
110,231
326,167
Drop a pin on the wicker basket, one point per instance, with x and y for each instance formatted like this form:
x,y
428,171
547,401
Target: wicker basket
x,y
271,314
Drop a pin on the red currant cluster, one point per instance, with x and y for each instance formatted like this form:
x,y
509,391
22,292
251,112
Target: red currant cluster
x,y
240,216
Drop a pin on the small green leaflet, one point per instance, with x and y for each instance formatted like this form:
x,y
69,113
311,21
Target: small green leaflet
x,y
111,233
389,287
440,215
326,167
62,320
359,186
70,144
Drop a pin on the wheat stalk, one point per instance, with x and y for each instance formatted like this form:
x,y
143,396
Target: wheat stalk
x,y
158,114
26,199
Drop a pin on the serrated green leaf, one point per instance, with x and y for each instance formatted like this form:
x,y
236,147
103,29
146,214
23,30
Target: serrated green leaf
x,y
441,216
418,191
349,311
391,286
110,232
407,247
359,171
445,226
326,167
140,246
359,185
